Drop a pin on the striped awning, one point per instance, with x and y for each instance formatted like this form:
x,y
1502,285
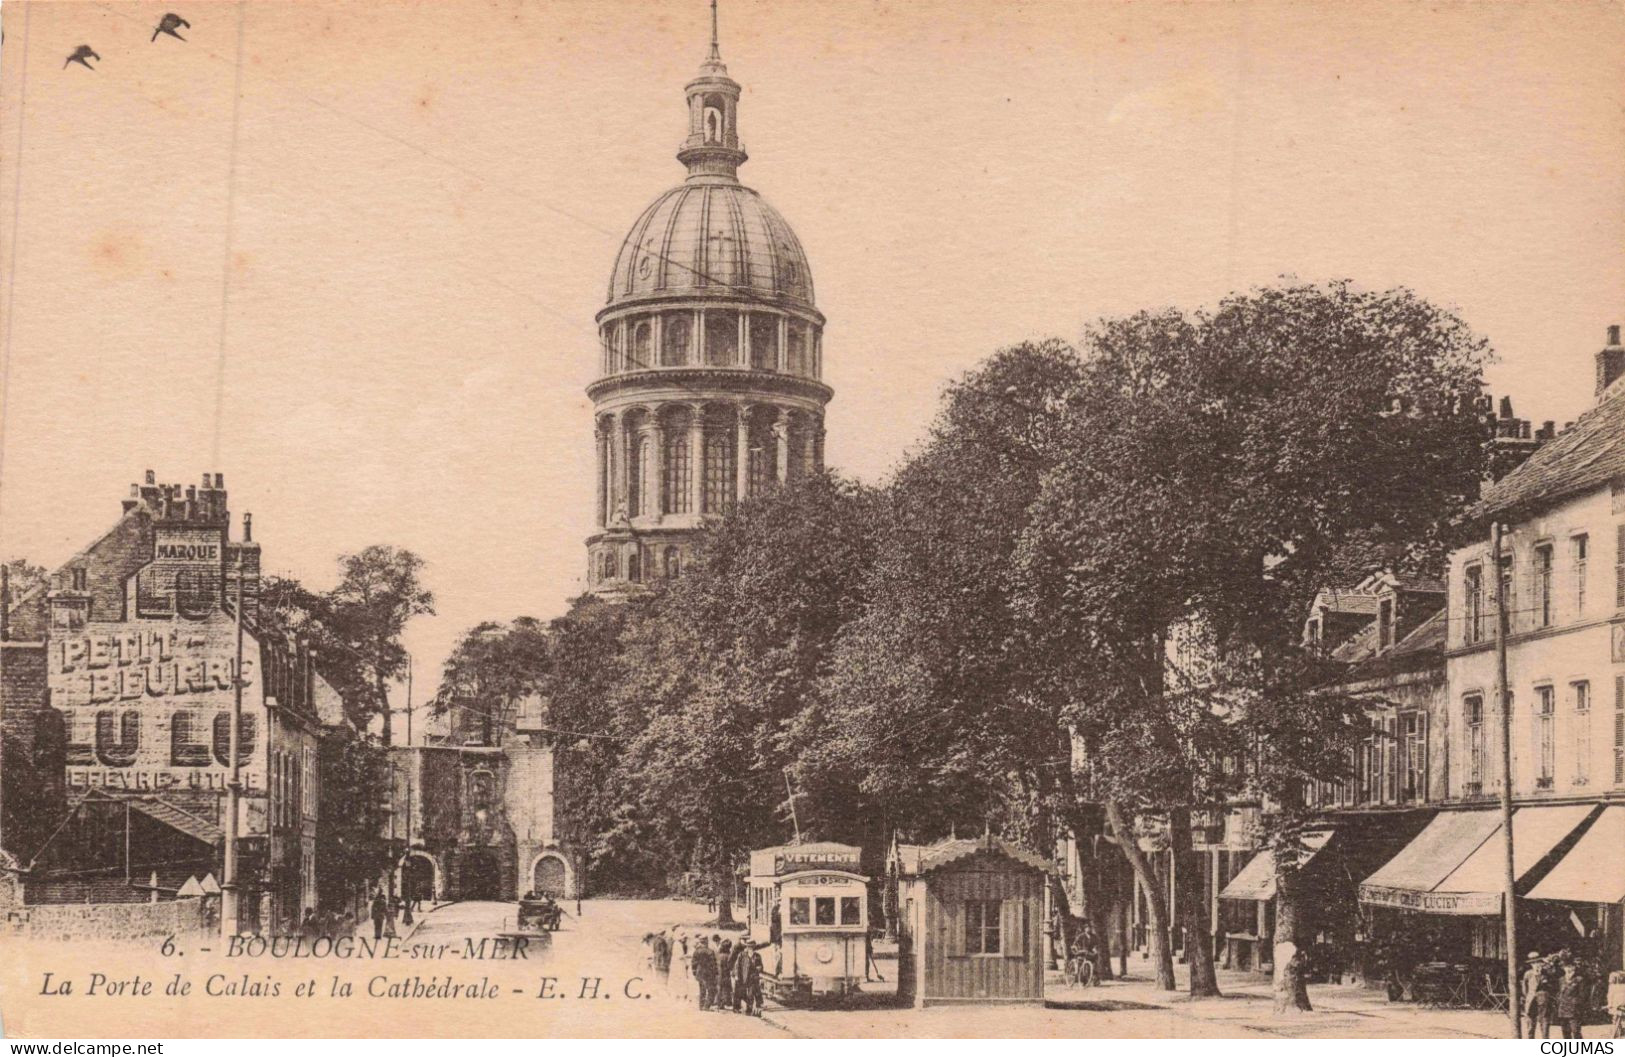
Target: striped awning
x,y
1592,871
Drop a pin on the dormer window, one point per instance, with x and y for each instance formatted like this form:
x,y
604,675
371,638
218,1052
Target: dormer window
x,y
78,578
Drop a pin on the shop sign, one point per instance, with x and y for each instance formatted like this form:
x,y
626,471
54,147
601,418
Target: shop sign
x,y
815,880
837,860
1463,903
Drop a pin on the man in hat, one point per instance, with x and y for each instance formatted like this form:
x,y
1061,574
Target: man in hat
x,y
1536,1000
705,972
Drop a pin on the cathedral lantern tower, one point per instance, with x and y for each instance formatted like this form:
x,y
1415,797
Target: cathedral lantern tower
x,y
710,356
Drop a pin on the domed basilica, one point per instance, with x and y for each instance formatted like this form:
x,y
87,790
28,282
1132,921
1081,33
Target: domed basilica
x,y
711,355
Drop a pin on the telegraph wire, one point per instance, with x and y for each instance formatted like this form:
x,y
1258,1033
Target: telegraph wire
x,y
16,237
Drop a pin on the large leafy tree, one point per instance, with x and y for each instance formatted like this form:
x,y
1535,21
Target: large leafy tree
x,y
725,661
931,710
380,590
492,669
1217,469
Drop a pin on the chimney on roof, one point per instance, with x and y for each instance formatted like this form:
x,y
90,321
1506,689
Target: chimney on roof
x,y
1506,407
1610,361
152,478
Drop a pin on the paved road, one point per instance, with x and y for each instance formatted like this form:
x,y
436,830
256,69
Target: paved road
x,y
605,946
600,968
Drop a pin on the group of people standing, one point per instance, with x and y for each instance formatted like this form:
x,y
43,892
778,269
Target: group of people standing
x,y
1554,988
720,974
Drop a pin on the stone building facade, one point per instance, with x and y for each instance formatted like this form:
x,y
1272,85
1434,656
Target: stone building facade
x,y
136,638
474,810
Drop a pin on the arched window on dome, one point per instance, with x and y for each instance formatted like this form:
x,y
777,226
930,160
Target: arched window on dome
x,y
722,339
642,345
606,566
764,341
677,336
674,438
796,354
763,469
798,441
674,563
720,478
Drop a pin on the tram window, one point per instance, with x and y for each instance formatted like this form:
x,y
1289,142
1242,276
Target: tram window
x,y
798,911
826,910
851,913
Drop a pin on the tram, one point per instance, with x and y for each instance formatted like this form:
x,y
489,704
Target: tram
x,y
812,906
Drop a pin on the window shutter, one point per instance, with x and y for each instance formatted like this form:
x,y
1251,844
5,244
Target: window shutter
x,y
1013,938
1619,569
953,918
1619,730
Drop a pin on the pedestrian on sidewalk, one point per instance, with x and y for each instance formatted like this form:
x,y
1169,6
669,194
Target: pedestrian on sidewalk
x,y
380,914
705,972
683,984
662,959
750,981
725,980
1537,1012
1571,1001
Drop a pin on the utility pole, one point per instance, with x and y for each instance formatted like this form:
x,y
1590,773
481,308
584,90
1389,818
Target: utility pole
x,y
230,898
794,819
1509,900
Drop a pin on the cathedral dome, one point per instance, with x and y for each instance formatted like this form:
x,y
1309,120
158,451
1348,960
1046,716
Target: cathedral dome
x,y
711,237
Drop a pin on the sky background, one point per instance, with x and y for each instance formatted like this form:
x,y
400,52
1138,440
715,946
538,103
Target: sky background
x,y
427,198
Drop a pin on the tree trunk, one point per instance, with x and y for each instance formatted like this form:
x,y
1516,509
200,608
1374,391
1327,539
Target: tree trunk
x,y
1291,987
1192,913
1156,905
723,884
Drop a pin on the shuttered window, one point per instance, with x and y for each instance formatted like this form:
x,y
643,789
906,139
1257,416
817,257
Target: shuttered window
x,y
1619,730
1582,732
1619,569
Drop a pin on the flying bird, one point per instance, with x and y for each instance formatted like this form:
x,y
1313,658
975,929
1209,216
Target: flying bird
x,y
82,55
169,24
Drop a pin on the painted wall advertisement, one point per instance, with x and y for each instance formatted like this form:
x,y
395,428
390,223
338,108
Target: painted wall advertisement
x,y
148,705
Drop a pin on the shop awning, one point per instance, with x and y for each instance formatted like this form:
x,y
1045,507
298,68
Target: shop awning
x,y
1457,864
1409,878
1536,831
1591,871
1256,881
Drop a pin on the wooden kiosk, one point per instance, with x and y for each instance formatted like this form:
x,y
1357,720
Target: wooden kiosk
x,y
970,923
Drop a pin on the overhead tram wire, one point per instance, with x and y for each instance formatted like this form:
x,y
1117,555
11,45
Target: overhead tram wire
x,y
464,169
697,273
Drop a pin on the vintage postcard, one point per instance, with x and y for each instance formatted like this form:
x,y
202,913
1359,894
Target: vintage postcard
x,y
836,519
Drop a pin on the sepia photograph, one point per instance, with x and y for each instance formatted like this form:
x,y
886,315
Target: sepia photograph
x,y
822,519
